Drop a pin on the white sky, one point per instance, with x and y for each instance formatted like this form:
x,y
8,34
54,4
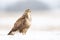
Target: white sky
x,y
7,1
3,3
52,3
13,1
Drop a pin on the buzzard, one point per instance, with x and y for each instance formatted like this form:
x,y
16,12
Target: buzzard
x,y
23,23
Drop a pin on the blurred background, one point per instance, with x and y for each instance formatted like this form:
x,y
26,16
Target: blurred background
x,y
45,13
45,17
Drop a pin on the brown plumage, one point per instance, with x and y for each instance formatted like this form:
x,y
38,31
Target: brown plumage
x,y
23,23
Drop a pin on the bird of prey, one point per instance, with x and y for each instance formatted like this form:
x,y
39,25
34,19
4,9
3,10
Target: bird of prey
x,y
23,23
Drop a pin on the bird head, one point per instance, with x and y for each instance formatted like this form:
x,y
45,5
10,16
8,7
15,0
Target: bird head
x,y
28,11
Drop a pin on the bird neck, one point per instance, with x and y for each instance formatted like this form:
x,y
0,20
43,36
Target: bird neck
x,y
27,15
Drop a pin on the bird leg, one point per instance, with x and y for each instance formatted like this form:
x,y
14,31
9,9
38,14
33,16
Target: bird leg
x,y
24,31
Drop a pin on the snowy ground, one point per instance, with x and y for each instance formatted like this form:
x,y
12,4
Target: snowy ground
x,y
44,27
31,35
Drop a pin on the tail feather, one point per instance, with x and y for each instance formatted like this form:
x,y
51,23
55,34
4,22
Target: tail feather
x,y
10,33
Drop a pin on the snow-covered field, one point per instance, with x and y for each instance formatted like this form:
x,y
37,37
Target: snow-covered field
x,y
31,35
44,26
